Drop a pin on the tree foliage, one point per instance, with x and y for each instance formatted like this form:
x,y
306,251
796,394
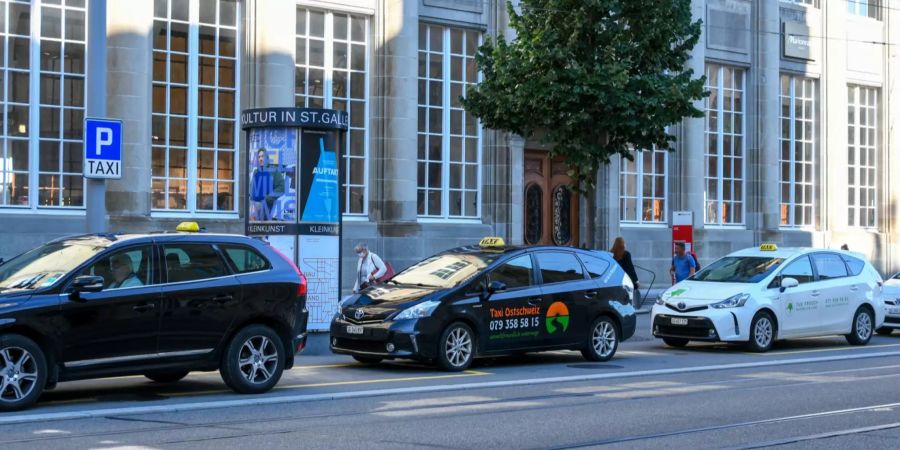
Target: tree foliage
x,y
595,78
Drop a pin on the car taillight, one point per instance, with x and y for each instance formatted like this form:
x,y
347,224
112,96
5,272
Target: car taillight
x,y
302,288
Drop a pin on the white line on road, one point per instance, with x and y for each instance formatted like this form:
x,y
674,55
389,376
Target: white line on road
x,y
282,399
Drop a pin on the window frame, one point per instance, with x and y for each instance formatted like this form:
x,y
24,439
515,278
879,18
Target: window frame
x,y
535,280
156,275
776,281
164,269
193,86
638,177
812,258
719,152
446,109
855,209
868,9
539,271
798,82
223,247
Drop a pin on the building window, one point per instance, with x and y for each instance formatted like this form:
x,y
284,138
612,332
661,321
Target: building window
x,y
865,8
642,187
42,92
449,147
798,151
332,72
813,3
724,170
862,156
195,105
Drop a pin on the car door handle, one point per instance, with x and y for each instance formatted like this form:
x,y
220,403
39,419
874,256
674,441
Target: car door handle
x,y
144,307
534,301
590,294
223,298
814,293
854,288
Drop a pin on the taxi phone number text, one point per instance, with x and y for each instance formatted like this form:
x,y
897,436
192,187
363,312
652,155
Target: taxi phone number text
x,y
515,324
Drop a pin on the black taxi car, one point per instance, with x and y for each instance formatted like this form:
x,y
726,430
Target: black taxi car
x,y
160,305
489,300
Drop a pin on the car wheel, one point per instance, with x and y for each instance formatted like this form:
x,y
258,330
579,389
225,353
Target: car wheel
x,y
23,372
885,331
676,342
762,332
603,340
253,361
166,376
861,332
456,348
367,359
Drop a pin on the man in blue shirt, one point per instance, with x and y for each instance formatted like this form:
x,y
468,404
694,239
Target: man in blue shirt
x,y
683,265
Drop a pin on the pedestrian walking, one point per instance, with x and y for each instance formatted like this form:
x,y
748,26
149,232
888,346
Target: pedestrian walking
x,y
623,257
683,264
369,268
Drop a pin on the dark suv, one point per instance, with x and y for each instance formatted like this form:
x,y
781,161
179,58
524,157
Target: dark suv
x,y
160,305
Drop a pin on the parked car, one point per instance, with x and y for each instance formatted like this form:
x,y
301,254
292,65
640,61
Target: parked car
x,y
891,297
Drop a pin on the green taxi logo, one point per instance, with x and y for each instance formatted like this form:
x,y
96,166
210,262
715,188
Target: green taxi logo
x,y
677,292
557,318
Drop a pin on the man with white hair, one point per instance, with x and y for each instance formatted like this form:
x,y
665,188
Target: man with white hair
x,y
369,268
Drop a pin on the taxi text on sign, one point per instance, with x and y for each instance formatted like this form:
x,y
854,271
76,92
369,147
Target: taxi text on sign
x,y
102,148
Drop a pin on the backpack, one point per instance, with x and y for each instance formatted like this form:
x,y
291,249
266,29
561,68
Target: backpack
x,y
696,261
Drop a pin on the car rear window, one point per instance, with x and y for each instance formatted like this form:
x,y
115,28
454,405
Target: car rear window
x,y
557,267
829,266
856,265
245,259
596,267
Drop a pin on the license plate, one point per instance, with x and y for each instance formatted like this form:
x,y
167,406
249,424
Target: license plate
x,y
894,310
679,321
354,329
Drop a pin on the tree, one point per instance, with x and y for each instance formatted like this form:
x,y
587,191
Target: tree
x,y
595,78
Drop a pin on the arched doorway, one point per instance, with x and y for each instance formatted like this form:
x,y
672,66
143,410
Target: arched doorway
x,y
551,208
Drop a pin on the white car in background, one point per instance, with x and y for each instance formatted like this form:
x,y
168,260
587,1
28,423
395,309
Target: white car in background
x,y
758,296
891,296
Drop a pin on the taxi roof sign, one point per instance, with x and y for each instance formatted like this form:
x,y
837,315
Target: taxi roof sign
x,y
492,242
768,247
190,227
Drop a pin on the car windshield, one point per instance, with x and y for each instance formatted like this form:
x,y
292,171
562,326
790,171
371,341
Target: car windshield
x,y
45,265
444,270
738,269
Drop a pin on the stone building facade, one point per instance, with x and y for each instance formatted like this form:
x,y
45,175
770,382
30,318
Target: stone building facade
x,y
798,145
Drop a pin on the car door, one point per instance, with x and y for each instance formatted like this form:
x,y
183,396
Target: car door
x,y
513,317
834,286
798,307
119,323
566,291
200,298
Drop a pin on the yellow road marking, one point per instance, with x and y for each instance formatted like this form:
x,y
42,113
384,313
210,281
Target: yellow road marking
x,y
818,350
326,366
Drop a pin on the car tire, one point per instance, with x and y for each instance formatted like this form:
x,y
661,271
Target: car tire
x,y
253,361
23,372
166,376
456,348
676,342
602,340
762,332
367,359
885,331
861,331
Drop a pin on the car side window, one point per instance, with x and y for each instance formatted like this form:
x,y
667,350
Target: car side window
x,y
515,273
124,268
800,269
245,259
557,267
829,266
856,266
596,267
189,262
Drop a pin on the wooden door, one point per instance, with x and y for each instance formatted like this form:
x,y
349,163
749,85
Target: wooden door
x,y
551,208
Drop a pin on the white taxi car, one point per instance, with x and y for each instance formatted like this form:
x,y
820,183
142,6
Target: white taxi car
x,y
762,295
891,296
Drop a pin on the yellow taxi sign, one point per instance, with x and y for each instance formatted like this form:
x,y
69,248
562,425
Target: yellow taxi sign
x,y
492,242
190,227
768,247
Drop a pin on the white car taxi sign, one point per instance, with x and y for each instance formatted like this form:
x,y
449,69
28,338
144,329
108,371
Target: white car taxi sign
x,y
760,295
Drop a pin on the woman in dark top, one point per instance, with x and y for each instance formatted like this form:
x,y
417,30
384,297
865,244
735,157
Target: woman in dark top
x,y
623,257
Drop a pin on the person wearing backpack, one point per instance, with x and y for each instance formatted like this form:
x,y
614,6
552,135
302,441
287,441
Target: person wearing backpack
x,y
683,264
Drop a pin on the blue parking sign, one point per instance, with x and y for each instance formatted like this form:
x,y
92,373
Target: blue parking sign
x,y
102,148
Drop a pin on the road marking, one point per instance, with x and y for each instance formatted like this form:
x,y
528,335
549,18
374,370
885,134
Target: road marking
x,y
816,437
819,350
282,399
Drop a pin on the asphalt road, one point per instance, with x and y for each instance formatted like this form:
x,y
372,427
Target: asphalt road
x,y
810,393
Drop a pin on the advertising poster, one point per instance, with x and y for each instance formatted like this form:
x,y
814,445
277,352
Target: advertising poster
x,y
320,263
319,191
272,181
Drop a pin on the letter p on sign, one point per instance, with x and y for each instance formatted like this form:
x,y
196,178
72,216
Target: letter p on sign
x,y
102,148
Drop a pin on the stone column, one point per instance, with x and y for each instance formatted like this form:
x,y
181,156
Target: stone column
x,y
129,93
690,160
517,189
892,124
271,47
833,210
766,170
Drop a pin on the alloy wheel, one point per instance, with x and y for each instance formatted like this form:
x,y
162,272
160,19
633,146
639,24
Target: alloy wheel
x,y
18,374
762,333
458,347
604,338
863,325
258,359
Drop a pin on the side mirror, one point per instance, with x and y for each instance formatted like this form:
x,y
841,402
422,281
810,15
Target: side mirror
x,y
787,283
86,283
493,288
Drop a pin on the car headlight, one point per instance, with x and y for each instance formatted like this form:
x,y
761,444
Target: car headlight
x,y
660,301
735,301
423,309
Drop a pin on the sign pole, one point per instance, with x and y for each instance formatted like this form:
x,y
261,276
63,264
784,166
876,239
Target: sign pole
x,y
95,189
